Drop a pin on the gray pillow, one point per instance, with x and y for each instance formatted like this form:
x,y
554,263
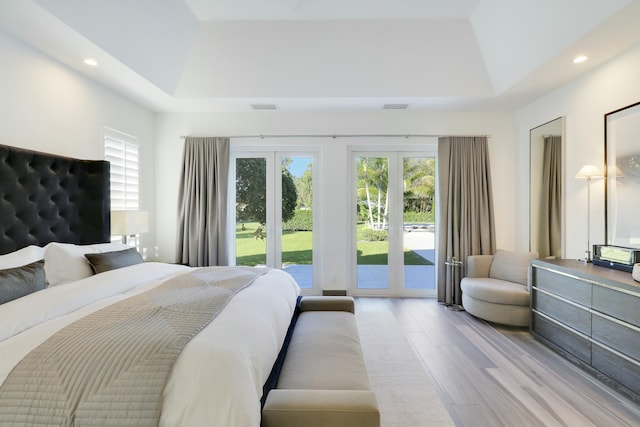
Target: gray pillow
x,y
20,281
106,261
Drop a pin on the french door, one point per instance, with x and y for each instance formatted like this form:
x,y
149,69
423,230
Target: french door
x,y
271,202
393,223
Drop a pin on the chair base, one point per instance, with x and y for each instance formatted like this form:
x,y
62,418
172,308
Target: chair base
x,y
513,315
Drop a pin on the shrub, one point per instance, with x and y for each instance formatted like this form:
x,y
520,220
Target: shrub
x,y
370,235
302,221
419,217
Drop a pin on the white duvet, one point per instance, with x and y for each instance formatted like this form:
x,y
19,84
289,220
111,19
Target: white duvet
x,y
217,379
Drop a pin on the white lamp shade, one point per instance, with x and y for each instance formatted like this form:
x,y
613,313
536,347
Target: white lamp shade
x,y
589,171
127,223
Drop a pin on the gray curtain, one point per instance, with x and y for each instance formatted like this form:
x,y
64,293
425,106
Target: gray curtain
x,y
202,202
466,221
550,235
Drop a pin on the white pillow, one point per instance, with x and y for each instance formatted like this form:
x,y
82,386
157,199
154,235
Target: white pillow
x,y
65,262
21,257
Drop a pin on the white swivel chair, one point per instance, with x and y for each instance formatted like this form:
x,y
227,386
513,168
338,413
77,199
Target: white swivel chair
x,y
496,287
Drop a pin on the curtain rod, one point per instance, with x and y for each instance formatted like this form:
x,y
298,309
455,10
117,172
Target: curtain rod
x,y
334,136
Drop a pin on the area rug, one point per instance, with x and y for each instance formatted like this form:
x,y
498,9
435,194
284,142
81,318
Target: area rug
x,y
405,394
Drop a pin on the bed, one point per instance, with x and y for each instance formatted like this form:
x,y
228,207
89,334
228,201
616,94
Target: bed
x,y
54,216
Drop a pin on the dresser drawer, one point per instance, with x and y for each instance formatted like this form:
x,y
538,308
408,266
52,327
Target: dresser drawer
x,y
616,303
565,286
624,339
617,368
565,338
575,316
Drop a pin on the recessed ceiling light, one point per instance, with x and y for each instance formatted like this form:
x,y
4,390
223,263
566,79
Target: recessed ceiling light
x,y
395,106
579,59
91,61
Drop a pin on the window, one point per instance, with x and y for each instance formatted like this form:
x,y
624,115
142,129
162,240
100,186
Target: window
x,y
121,151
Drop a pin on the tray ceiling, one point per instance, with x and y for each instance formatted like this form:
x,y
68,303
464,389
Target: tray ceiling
x,y
223,55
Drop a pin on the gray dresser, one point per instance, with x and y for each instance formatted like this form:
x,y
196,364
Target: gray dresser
x,y
591,315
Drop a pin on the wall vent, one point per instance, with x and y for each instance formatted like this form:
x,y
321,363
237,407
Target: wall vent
x,y
264,106
395,106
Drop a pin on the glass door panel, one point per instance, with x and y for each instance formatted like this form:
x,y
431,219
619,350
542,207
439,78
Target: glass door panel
x,y
418,229
297,218
372,217
251,211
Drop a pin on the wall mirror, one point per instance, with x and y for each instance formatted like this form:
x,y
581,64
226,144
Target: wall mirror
x,y
546,193
622,174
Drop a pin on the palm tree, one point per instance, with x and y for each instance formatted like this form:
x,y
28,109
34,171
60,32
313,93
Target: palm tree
x,y
373,177
419,184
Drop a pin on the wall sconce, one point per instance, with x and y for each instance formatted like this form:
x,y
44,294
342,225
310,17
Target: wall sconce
x,y
128,224
588,172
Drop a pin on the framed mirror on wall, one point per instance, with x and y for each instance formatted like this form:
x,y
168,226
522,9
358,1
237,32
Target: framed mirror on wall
x,y
622,174
546,189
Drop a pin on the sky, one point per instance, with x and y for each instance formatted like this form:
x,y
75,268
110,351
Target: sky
x,y
299,165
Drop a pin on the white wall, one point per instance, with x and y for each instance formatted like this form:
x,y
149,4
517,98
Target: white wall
x,y
46,106
583,102
334,169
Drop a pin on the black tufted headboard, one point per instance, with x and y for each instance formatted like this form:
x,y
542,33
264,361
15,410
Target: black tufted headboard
x,y
46,198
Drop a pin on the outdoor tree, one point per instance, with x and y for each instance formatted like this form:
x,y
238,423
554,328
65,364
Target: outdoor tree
x,y
373,179
304,187
251,205
419,184
289,195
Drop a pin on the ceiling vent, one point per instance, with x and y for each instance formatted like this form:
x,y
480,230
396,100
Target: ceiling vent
x,y
395,106
264,106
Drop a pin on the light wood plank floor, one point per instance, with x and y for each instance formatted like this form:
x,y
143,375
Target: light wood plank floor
x,y
490,375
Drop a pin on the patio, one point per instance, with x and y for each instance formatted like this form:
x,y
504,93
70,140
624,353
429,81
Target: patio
x,y
420,240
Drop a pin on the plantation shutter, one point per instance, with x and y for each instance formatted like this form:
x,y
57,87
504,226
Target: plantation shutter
x,y
122,153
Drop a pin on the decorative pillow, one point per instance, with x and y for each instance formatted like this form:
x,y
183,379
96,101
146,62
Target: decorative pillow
x,y
65,262
511,266
22,257
20,281
106,261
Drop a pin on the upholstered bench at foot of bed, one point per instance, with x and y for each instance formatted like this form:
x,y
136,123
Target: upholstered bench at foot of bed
x,y
324,380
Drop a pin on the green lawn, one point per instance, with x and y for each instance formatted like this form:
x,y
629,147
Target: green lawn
x,y
297,249
249,250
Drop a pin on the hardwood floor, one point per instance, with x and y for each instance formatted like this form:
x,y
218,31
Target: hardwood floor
x,y
490,375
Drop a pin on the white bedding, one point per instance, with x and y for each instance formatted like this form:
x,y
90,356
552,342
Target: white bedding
x,y
218,378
